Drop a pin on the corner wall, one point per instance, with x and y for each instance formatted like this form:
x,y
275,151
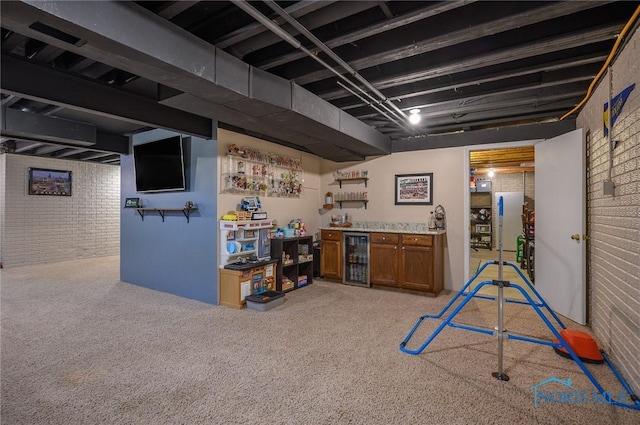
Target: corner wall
x,y
281,209
39,229
449,190
615,220
173,256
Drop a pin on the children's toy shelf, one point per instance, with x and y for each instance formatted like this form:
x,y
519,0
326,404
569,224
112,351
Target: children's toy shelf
x,y
239,239
253,172
295,268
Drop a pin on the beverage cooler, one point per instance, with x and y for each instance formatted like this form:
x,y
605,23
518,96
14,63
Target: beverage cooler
x,y
356,259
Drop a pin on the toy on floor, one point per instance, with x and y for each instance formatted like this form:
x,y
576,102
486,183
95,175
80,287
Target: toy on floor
x,y
576,345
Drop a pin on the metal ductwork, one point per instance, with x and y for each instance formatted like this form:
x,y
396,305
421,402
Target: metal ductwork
x,y
37,127
198,77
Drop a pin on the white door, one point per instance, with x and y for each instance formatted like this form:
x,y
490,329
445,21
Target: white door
x,y
560,224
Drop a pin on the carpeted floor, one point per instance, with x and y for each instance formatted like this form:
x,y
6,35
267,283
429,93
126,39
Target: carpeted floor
x,y
80,347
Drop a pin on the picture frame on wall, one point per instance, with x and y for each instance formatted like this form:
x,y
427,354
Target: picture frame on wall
x,y
414,189
43,181
132,203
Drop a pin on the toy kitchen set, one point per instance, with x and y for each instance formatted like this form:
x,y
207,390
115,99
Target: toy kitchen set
x,y
246,267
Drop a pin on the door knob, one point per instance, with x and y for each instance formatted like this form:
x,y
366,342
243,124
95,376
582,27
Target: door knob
x,y
575,237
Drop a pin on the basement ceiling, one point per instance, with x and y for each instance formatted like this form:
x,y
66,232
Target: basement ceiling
x,y
332,78
503,160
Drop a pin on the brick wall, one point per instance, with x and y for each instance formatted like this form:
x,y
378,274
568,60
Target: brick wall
x,y
615,220
43,229
516,182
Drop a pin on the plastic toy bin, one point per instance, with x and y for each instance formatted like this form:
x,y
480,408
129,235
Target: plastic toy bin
x,y
265,301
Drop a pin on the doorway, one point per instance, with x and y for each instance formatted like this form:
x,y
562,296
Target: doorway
x,y
509,174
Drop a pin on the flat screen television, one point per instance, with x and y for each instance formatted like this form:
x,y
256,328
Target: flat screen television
x,y
159,165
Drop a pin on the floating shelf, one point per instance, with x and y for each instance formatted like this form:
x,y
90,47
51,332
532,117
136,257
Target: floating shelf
x,y
364,201
362,179
163,211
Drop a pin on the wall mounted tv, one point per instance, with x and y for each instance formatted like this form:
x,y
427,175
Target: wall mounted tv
x,y
159,165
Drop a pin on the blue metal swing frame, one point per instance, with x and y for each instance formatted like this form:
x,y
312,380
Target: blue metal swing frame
x,y
538,306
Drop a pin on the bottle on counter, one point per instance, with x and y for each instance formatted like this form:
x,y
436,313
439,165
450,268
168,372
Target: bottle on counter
x,y
432,222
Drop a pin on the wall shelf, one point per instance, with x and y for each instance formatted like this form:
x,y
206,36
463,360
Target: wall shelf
x,y
362,179
359,177
364,201
253,172
163,211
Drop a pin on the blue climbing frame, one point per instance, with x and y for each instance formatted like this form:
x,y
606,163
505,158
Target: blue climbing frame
x,y
538,306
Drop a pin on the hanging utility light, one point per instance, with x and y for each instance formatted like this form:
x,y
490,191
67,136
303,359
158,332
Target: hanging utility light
x,y
415,117
491,173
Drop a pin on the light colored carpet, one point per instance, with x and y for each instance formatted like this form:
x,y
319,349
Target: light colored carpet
x,y
80,347
479,258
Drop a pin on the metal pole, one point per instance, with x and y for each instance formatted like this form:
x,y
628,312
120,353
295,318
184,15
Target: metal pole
x,y
500,373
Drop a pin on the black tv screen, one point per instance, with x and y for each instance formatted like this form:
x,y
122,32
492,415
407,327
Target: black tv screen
x,y
159,165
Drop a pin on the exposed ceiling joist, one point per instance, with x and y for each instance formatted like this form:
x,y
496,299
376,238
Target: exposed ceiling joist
x,y
585,67
27,80
387,25
248,31
459,37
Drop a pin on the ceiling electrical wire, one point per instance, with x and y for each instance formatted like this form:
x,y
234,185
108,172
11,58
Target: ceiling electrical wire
x,y
614,50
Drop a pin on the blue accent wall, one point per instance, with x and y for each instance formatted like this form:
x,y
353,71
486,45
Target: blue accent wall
x,y
173,256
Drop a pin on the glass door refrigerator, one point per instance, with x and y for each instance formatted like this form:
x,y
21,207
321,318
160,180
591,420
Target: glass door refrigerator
x,y
356,259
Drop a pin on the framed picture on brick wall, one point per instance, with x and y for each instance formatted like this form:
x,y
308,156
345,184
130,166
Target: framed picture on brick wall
x,y
43,181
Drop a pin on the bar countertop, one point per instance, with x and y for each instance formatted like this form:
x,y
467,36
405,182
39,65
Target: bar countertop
x,y
387,227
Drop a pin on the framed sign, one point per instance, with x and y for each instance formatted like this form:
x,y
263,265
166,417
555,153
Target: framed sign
x,y
132,203
49,182
414,189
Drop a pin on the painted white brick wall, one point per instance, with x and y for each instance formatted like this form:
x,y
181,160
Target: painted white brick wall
x,y
516,182
43,229
615,220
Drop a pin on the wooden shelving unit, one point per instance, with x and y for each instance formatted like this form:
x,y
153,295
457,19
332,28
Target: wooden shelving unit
x,y
481,235
295,265
352,197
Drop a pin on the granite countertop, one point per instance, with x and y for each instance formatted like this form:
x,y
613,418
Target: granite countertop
x,y
387,227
